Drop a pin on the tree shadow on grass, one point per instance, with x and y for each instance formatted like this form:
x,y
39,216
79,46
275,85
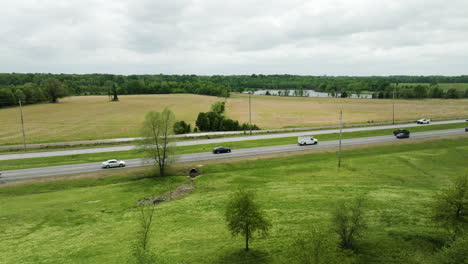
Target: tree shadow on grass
x,y
241,256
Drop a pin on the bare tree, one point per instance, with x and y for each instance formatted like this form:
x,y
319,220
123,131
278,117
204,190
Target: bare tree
x,y
156,141
142,253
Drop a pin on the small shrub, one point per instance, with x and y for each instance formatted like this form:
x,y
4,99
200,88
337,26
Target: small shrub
x,y
455,252
349,222
317,247
450,208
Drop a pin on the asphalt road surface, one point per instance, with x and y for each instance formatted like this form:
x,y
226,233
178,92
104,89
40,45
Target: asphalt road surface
x,y
211,141
90,167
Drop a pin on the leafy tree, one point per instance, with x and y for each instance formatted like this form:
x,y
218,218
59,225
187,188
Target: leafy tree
x,y
436,92
455,252
7,97
156,141
203,123
420,91
20,95
33,93
244,216
450,207
54,90
452,93
180,127
349,222
218,108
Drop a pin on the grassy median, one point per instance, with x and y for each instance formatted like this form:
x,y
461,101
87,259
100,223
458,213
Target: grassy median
x,y
133,154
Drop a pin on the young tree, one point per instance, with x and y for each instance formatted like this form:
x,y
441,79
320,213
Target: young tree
x,y
450,208
203,123
218,107
7,97
141,252
156,143
180,127
54,89
244,216
349,222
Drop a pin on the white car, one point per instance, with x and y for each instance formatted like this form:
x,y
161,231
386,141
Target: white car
x,y
423,121
113,163
306,140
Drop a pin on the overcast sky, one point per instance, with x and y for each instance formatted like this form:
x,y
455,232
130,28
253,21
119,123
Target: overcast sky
x,y
316,37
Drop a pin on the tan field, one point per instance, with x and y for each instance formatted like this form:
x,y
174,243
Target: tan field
x,y
94,117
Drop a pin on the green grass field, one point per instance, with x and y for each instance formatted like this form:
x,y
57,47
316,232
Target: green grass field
x,y
94,117
95,220
133,154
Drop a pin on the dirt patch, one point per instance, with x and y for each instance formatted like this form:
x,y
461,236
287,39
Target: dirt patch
x,y
181,191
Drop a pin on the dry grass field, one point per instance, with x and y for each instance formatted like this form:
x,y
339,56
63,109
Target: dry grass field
x,y
94,117
276,112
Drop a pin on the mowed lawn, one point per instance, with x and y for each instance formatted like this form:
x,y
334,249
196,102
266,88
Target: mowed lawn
x,y
94,117
95,220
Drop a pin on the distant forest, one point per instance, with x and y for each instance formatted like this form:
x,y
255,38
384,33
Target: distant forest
x,y
39,87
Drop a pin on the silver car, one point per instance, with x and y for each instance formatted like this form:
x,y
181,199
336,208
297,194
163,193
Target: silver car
x,y
113,163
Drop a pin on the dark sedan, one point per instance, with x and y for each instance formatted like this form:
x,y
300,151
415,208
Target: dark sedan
x,y
402,135
221,150
399,131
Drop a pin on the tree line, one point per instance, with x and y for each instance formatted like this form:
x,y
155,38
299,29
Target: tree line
x,y
33,85
30,93
419,91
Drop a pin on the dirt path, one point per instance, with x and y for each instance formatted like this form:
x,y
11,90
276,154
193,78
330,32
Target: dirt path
x,y
181,191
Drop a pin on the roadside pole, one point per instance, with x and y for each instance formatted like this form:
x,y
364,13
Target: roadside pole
x,y
393,102
22,125
250,114
341,132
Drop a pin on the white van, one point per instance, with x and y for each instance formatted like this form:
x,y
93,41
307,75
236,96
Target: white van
x,y
306,140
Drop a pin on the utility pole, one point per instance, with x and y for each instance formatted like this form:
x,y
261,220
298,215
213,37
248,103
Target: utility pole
x,y
393,106
339,146
250,114
22,125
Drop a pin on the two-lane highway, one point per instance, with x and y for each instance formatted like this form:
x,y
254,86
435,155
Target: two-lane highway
x,y
90,167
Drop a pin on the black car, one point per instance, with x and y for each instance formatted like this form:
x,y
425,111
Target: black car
x,y
399,131
466,129
402,135
221,150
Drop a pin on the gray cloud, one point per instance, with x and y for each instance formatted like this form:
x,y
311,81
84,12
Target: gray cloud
x,y
335,37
